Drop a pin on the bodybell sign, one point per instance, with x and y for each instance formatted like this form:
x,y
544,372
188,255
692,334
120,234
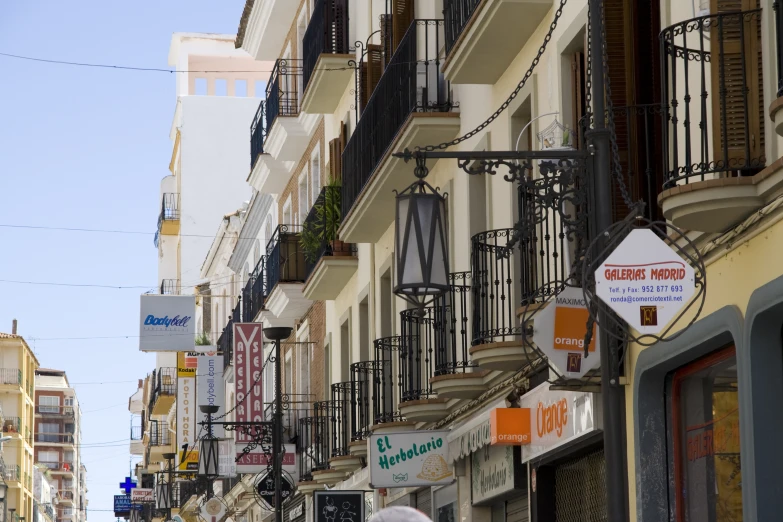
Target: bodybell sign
x,y
559,332
166,323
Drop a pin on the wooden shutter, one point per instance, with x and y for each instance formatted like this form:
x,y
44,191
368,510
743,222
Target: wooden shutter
x,y
618,39
371,72
337,26
402,17
336,148
741,35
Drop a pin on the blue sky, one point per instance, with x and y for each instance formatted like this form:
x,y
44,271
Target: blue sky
x,y
87,148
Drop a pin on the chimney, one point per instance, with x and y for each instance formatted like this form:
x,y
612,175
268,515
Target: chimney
x,y
13,327
141,383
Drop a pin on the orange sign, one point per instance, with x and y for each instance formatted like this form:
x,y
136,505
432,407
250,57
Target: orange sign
x,y
570,329
509,426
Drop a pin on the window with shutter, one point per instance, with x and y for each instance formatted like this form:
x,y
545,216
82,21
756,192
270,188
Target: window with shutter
x,y
371,72
402,17
737,101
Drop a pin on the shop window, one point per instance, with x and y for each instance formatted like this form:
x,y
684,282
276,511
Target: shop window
x,y
706,439
445,500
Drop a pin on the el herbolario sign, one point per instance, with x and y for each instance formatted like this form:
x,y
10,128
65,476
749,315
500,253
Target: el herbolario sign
x,y
496,472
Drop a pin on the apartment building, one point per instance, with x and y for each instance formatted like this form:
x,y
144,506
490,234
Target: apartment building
x,y
58,440
44,495
17,390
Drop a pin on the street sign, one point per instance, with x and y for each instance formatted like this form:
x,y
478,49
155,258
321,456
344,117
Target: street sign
x,y
343,506
559,332
142,495
645,282
265,487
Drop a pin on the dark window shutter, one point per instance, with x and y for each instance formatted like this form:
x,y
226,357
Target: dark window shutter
x,y
372,69
386,37
402,17
738,37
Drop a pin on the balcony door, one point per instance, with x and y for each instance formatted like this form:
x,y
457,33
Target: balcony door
x,y
48,432
48,404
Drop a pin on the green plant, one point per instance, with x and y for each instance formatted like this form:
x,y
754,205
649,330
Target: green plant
x,y
323,229
202,339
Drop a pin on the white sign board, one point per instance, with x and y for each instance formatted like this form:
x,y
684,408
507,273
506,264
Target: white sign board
x,y
558,418
166,323
210,388
227,466
493,472
142,495
408,459
645,282
559,332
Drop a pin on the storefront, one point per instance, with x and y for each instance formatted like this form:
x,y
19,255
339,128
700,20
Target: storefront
x,y
705,429
565,456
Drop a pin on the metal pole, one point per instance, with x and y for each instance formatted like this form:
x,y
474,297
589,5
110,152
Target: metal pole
x,y
278,436
612,394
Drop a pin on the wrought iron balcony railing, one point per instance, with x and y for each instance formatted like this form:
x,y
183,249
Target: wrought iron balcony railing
x,y
159,433
283,92
164,383
11,473
285,261
411,82
456,15
226,344
11,376
170,287
339,418
437,342
322,221
169,211
713,91
58,466
259,288
312,445
386,389
257,133
136,433
183,490
327,33
361,412
494,309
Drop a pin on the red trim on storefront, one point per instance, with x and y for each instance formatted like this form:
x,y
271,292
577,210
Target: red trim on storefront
x,y
681,374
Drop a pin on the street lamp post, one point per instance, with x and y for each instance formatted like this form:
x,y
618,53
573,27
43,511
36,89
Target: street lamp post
x,y
277,334
170,482
3,493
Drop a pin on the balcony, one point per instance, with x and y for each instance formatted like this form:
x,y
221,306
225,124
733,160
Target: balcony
x,y
361,413
12,425
386,386
312,447
410,106
164,391
170,287
497,342
65,468
11,376
11,474
288,129
168,219
433,360
327,53
339,425
713,129
267,174
225,344
65,412
285,275
55,438
329,263
257,289
159,441
136,437
264,27
484,36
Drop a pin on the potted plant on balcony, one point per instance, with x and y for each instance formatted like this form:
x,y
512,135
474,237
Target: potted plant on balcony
x,y
323,229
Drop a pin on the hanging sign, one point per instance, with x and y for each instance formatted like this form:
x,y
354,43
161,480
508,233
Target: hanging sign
x,y
187,363
249,405
213,510
166,323
142,495
265,488
645,282
122,504
338,506
495,473
210,389
407,459
226,464
296,512
559,332
509,426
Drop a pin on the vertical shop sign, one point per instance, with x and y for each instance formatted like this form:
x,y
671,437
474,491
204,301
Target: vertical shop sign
x,y
249,405
187,363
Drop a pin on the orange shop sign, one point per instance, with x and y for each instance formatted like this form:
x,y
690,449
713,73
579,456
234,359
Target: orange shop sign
x,y
509,426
